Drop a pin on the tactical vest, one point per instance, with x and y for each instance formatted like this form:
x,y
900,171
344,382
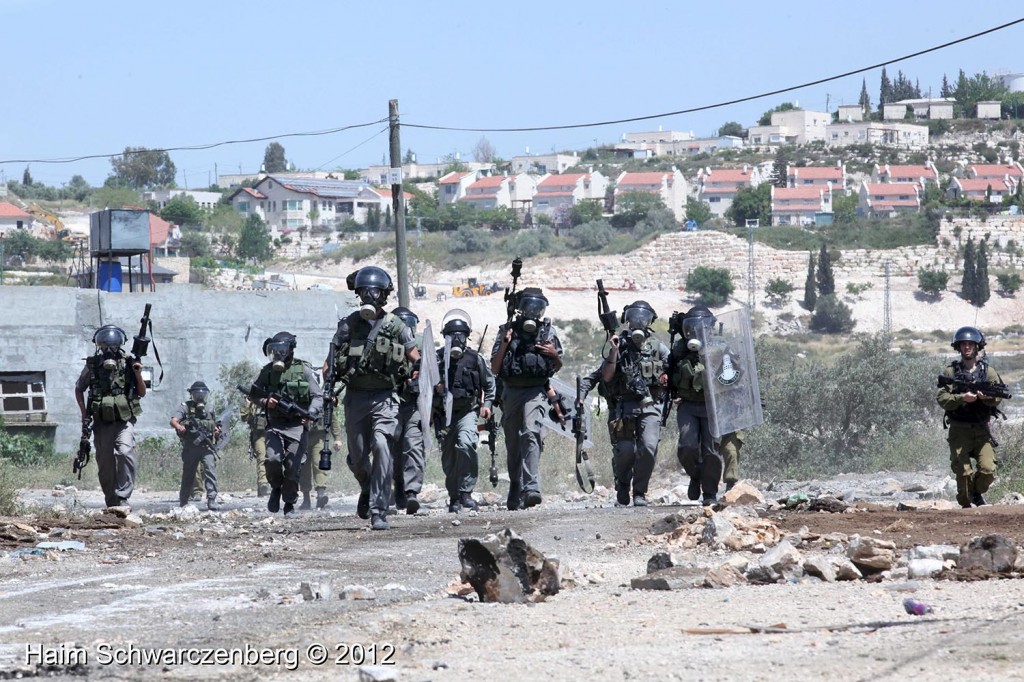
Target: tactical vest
x,y
687,376
976,412
376,366
196,421
523,365
644,361
112,395
410,390
465,381
291,383
252,415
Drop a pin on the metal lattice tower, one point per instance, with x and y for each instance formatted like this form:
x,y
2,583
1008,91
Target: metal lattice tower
x,y
751,224
887,314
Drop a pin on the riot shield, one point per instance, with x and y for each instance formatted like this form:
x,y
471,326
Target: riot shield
x,y
430,376
568,394
730,374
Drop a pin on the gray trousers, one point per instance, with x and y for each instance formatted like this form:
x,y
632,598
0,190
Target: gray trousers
x,y
410,460
634,432
371,420
115,459
191,456
522,410
286,450
697,451
458,455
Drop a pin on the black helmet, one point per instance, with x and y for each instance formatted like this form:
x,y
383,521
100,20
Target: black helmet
x,y
698,311
639,315
281,345
456,321
109,336
695,318
407,316
199,391
370,276
531,302
968,334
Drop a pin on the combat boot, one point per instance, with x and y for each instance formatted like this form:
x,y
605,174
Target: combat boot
x,y
412,504
639,500
978,500
263,490
515,497
467,501
363,505
621,495
729,485
306,502
321,497
531,499
289,509
212,505
274,503
379,522
709,500
693,490
400,499
454,507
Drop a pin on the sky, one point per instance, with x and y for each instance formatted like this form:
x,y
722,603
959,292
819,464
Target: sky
x,y
91,78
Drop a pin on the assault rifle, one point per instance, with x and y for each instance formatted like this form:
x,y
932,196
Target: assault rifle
x,y
675,328
284,405
609,320
491,426
988,388
579,430
140,345
84,448
330,379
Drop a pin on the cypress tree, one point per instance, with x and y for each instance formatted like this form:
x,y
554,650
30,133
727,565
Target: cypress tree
x,y
810,291
981,271
825,278
969,283
780,170
865,99
885,91
946,90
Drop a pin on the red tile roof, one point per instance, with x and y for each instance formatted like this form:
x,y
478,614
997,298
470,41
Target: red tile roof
x,y
11,211
158,229
254,193
890,189
994,170
728,175
565,180
490,181
912,172
634,179
817,173
452,178
803,193
386,193
982,184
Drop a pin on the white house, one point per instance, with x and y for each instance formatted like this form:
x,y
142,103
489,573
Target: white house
x,y
287,204
817,176
541,164
933,108
558,193
510,191
13,218
922,174
850,112
990,110
718,186
452,186
991,190
800,205
206,200
996,171
796,126
669,185
886,198
905,135
379,175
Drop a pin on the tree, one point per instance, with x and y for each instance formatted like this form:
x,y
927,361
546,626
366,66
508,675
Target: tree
x,y
844,208
141,168
884,92
632,207
810,290
977,88
932,282
114,197
585,211
700,211
713,285
195,244
766,117
778,290
21,243
969,283
946,91
409,157
780,170
26,178
825,278
182,210
832,316
78,189
732,128
254,241
751,203
273,158
1009,283
865,99
483,151
982,291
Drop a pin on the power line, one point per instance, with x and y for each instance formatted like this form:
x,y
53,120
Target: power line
x,y
352,149
719,105
197,147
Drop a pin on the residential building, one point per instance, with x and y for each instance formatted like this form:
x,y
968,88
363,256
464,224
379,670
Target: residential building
x,y
510,191
796,126
996,171
669,185
690,147
991,190
287,204
379,175
990,110
850,112
13,218
452,186
206,200
542,164
933,108
894,111
886,198
905,135
556,194
655,143
920,174
164,238
718,186
802,205
236,179
817,176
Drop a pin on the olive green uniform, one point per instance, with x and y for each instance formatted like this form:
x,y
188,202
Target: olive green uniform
x,y
194,454
472,384
730,449
257,421
969,435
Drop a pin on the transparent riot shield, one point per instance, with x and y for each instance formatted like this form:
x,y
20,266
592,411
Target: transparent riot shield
x,y
430,376
730,373
568,394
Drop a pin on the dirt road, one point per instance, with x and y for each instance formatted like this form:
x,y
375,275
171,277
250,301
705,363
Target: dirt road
x,y
232,581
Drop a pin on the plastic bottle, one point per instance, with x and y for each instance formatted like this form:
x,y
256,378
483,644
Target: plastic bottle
x,y
916,608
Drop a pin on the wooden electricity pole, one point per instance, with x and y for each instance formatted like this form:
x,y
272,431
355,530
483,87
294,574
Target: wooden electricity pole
x,y
398,205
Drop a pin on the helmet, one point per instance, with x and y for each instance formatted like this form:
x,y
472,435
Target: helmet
x,y
370,277
456,321
968,334
694,320
199,391
280,349
109,337
531,303
407,316
638,315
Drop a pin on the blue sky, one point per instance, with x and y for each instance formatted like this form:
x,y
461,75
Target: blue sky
x,y
91,78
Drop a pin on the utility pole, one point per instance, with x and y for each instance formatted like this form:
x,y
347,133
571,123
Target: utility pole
x,y
751,224
398,205
887,314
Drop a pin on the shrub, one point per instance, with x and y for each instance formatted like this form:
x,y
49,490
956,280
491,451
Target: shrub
x,y
22,450
778,290
832,316
1009,283
528,243
714,285
592,236
470,240
932,282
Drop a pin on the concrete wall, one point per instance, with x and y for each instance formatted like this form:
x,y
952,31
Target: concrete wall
x,y
50,329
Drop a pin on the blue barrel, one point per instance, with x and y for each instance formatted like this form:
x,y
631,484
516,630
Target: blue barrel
x,y
109,275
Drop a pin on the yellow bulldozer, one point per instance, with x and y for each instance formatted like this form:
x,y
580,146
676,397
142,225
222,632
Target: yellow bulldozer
x,y
474,288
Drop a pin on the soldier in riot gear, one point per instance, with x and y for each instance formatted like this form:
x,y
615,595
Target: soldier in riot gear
x,y
287,382
115,385
968,414
408,455
372,349
634,376
526,353
472,387
198,430
697,451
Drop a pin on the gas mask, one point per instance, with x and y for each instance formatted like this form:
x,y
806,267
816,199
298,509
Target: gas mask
x,y
531,309
279,353
110,356
459,340
638,320
199,397
369,301
692,329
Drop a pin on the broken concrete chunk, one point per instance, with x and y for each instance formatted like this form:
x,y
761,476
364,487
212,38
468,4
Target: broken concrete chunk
x,y
941,552
315,590
742,493
993,553
845,569
675,578
924,568
357,592
870,554
716,530
724,576
820,567
783,561
660,561
505,568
